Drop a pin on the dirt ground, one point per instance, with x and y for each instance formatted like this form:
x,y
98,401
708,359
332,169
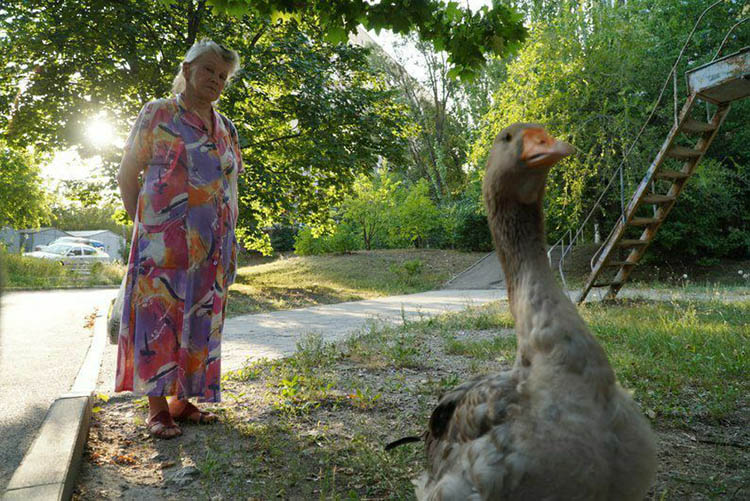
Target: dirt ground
x,y
286,438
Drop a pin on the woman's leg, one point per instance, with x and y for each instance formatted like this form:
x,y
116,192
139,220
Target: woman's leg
x,y
163,428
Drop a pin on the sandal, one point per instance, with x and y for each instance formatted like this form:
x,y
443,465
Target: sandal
x,y
160,424
192,414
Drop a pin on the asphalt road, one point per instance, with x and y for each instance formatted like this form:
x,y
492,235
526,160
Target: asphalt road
x,y
43,341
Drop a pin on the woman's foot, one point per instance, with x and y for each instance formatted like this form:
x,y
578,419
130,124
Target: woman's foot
x,y
183,411
160,423
163,426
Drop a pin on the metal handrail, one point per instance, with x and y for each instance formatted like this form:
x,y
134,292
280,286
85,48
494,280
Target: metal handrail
x,y
723,42
618,171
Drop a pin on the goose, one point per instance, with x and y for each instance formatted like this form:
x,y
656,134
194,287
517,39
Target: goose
x,y
556,425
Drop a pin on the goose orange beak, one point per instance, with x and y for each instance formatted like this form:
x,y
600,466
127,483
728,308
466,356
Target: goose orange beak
x,y
542,150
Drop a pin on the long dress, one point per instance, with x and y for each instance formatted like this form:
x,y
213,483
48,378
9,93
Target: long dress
x,y
183,254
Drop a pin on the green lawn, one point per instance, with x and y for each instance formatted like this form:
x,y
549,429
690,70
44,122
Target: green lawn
x,y
294,282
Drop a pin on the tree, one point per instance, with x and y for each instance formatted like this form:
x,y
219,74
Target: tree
x,y
370,204
591,72
23,201
312,116
438,146
310,113
466,36
414,215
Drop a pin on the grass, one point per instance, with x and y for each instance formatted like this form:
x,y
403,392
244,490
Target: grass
x,y
295,282
723,276
313,425
22,272
685,361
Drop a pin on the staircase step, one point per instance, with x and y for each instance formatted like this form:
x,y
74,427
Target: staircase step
x,y
683,152
696,126
670,174
620,263
629,242
653,198
644,221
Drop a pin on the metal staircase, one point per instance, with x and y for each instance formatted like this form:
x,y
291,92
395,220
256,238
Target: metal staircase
x,y
718,83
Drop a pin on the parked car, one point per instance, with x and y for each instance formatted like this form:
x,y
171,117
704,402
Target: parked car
x,y
80,240
69,253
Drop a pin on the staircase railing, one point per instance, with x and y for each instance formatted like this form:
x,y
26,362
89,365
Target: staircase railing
x,y
619,172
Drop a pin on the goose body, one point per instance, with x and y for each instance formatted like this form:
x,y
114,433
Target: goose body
x,y
557,425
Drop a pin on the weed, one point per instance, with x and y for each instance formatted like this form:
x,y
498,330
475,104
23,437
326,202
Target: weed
x,y
363,399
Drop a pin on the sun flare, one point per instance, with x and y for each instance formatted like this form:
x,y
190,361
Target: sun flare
x,y
100,131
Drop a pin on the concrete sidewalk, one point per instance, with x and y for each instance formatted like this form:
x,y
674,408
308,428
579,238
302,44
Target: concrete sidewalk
x,y
275,334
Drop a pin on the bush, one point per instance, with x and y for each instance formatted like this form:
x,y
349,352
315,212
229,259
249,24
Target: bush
x,y
345,238
22,271
282,238
106,274
305,244
710,219
408,271
465,226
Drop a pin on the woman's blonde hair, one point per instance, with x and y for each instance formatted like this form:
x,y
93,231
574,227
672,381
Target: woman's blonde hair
x,y
198,49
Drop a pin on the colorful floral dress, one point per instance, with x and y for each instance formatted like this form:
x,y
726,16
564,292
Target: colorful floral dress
x,y
183,255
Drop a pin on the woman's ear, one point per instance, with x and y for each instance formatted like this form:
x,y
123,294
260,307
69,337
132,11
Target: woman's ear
x,y
186,70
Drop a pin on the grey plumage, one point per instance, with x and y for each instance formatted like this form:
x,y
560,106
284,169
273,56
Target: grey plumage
x,y
557,425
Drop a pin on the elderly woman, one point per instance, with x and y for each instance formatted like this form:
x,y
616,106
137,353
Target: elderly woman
x,y
178,181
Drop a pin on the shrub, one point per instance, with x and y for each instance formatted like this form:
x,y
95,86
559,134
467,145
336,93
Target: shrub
x,y
282,238
413,216
305,244
345,238
106,274
22,271
465,226
709,220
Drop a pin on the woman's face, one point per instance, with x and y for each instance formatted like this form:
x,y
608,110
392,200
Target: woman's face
x,y
206,76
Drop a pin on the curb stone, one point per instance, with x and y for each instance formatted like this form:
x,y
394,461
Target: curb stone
x,y
49,470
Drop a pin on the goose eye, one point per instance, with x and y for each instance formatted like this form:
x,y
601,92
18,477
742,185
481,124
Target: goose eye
x,y
507,137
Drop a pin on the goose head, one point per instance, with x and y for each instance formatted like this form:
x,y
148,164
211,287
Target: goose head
x,y
521,156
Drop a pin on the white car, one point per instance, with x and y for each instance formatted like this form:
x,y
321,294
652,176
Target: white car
x,y
73,240
69,253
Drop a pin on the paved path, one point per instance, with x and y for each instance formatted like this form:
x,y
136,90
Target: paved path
x,y
275,334
42,346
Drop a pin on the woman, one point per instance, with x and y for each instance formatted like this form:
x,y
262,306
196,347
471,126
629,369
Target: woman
x,y
183,255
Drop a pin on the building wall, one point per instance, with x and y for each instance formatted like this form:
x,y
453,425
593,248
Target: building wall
x,y
45,236
10,238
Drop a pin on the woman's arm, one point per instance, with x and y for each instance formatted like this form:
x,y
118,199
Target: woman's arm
x,y
127,180
135,158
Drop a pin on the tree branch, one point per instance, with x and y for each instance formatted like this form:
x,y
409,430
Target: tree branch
x,y
257,37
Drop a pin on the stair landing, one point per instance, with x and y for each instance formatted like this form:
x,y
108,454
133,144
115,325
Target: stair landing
x,y
724,80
